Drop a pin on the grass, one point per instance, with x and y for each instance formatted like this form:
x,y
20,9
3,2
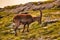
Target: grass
x,y
51,31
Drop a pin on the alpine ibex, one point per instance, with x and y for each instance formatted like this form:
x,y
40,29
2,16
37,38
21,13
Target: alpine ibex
x,y
25,19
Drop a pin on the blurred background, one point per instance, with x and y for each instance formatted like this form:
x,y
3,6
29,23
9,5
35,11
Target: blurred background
x,y
48,30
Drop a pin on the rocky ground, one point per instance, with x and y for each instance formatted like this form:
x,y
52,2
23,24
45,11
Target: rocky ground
x,y
51,31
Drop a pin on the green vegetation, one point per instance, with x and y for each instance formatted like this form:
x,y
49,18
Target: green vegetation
x,y
51,31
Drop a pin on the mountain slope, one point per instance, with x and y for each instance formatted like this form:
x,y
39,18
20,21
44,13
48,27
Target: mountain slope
x,y
31,6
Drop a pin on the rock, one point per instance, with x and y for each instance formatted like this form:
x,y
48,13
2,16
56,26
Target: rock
x,y
31,6
48,22
11,25
49,5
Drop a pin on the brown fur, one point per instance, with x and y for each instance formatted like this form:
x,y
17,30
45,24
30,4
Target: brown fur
x,y
25,19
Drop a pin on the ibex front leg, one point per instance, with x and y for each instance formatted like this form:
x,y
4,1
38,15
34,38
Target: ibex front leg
x,y
16,27
24,28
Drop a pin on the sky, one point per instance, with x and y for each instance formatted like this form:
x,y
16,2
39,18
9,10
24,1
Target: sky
x,y
4,3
